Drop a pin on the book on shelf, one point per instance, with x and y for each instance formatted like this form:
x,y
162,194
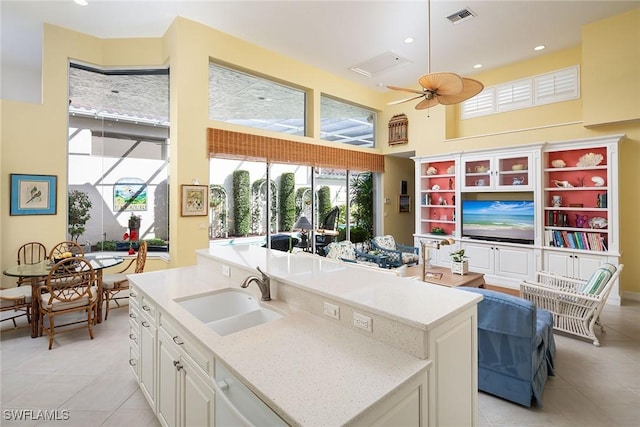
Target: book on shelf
x,y
581,240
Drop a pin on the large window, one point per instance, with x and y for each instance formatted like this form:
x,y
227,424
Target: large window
x,y
118,151
346,123
255,102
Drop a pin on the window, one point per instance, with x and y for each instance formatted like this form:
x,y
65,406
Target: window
x,y
557,86
255,102
118,150
346,123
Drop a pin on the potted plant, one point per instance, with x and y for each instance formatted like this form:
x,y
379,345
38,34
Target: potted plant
x,y
459,263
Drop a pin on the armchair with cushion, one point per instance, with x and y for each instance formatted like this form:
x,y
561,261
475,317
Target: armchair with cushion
x,y
346,251
516,347
397,254
575,304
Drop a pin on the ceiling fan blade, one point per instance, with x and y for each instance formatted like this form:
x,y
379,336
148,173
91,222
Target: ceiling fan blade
x,y
427,103
471,88
404,100
442,83
404,89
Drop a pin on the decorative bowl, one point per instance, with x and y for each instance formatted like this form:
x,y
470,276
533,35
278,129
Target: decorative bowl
x,y
597,222
436,187
481,169
589,159
432,171
451,169
598,181
558,163
518,167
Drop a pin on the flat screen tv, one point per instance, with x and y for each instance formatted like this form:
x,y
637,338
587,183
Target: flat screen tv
x,y
498,220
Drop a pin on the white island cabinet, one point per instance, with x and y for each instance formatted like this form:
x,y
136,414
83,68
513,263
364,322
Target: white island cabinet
x,y
411,361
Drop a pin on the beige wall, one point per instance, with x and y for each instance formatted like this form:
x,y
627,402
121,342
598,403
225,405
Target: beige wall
x,y
399,225
187,48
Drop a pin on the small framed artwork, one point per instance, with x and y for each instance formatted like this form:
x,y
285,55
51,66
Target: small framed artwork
x,y
195,200
33,194
405,203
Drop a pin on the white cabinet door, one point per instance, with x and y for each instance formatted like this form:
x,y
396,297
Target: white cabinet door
x,y
199,399
480,257
572,264
168,381
147,367
500,260
513,262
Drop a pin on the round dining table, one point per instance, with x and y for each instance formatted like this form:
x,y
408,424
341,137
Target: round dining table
x,y
39,271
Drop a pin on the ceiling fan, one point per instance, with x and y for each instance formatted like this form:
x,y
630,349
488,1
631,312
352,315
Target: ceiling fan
x,y
440,88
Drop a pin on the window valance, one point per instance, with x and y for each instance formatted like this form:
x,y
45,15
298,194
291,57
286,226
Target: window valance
x,y
242,146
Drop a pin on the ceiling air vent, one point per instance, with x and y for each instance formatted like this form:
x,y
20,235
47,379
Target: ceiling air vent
x,y
378,64
461,16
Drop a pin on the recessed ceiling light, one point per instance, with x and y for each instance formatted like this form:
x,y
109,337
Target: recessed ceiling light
x,y
539,47
409,40
81,2
477,66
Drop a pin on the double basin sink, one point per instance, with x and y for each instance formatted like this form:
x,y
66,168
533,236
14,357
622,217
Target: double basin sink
x,y
228,311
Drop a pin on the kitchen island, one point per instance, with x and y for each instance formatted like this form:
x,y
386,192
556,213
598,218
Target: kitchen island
x,y
353,346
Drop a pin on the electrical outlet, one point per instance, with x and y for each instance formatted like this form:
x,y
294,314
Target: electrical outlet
x,y
226,270
332,310
363,322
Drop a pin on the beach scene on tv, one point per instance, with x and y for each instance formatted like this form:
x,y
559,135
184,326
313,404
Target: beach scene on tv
x,y
507,220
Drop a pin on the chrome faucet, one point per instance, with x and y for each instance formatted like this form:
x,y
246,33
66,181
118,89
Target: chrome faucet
x,y
263,283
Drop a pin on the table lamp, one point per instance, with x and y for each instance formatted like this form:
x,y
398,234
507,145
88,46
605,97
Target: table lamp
x,y
303,224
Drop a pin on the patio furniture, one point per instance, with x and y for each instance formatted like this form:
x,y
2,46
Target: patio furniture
x,y
116,286
71,286
346,251
516,347
63,247
16,300
575,304
283,242
29,254
396,253
327,230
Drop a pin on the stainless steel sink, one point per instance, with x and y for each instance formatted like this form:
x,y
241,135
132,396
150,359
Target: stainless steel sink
x,y
228,311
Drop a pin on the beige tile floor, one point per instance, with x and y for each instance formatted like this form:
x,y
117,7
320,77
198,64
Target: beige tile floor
x,y
91,379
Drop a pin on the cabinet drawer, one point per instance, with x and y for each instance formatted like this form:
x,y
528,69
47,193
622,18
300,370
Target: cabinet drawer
x,y
200,355
134,357
134,333
148,308
134,315
134,297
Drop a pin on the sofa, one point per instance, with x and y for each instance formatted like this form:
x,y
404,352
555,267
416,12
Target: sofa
x,y
516,347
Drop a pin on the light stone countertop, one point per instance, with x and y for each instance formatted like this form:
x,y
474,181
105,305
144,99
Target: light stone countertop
x,y
307,368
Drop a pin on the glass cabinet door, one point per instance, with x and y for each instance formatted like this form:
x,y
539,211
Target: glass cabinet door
x,y
512,172
477,174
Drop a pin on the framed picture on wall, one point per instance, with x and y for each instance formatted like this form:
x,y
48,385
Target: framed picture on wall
x,y
405,203
195,200
33,194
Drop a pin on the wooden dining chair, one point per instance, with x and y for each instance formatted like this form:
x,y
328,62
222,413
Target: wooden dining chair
x,y
30,253
17,301
70,287
116,286
63,247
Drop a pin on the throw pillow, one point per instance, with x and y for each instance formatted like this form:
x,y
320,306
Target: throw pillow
x,y
599,279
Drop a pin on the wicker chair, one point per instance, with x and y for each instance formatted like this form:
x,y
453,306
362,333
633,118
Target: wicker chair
x,y
30,253
575,304
70,287
18,301
66,246
115,286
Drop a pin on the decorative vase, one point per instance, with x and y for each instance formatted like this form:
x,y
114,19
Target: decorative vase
x,y
460,267
134,224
